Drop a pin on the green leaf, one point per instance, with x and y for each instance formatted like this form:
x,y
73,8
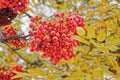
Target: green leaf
x,y
80,31
81,39
102,35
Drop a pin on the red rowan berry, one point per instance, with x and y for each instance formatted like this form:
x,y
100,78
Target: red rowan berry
x,y
32,25
55,39
33,19
9,10
38,40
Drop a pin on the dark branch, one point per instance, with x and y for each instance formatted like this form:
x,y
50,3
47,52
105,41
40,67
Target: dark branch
x,y
16,37
27,14
37,61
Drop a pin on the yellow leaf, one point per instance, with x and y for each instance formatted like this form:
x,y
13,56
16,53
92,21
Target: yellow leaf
x,y
93,42
112,47
81,39
110,59
91,31
90,14
105,70
30,9
80,31
77,59
20,15
36,71
102,35
53,77
83,49
2,64
20,75
118,77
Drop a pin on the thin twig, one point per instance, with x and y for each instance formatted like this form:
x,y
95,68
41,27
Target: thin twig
x,y
27,14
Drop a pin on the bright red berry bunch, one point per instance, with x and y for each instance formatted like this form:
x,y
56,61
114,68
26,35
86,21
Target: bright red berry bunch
x,y
33,19
7,75
54,37
10,31
15,5
17,68
4,75
9,10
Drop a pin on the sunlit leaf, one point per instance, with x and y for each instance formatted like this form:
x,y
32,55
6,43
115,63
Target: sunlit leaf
x,y
20,75
91,31
112,47
102,35
80,31
81,40
77,59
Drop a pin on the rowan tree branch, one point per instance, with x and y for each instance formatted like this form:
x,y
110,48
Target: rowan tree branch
x,y
37,61
16,37
27,14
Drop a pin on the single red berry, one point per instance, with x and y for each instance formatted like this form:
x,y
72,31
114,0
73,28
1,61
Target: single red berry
x,y
55,39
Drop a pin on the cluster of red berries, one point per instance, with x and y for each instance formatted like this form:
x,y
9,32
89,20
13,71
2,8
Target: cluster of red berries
x,y
10,31
9,10
6,15
54,37
17,68
7,75
4,75
15,5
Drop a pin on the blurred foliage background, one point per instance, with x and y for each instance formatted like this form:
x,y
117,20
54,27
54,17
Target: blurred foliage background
x,y
98,55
